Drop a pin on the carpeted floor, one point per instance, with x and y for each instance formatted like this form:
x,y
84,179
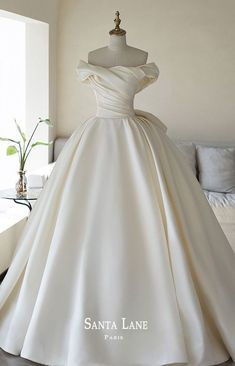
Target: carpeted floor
x,y
9,360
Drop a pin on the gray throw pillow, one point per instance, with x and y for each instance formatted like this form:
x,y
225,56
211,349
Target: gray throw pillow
x,y
216,167
188,150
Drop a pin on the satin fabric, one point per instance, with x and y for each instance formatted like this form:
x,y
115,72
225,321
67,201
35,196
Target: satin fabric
x,y
121,230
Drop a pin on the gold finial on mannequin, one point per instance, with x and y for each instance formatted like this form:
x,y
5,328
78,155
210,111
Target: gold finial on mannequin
x,y
117,30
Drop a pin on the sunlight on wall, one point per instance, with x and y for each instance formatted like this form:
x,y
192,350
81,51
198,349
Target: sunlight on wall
x,y
12,92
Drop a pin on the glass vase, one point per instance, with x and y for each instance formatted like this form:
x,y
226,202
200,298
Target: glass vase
x,y
21,185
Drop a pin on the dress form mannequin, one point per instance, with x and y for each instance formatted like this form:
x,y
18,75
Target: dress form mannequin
x,y
117,52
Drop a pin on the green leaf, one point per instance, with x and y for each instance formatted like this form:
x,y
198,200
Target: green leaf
x,y
4,139
47,121
8,139
11,150
22,134
41,143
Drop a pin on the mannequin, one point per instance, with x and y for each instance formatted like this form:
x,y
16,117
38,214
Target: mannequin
x,y
117,53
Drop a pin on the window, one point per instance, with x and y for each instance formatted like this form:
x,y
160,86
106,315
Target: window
x,y
24,87
12,90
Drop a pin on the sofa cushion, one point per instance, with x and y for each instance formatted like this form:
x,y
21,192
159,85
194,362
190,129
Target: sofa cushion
x,y
217,199
58,146
188,150
216,167
38,178
223,205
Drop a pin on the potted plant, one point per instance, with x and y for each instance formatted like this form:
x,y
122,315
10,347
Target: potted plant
x,y
23,148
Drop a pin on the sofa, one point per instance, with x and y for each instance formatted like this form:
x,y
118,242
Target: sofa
x,y
214,167
212,164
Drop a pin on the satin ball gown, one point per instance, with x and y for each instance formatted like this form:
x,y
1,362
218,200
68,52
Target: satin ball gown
x,y
122,261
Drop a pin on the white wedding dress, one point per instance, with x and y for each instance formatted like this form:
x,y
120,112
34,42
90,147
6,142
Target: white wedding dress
x,y
121,230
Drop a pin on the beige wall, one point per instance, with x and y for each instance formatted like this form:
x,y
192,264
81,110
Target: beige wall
x,y
46,11
192,42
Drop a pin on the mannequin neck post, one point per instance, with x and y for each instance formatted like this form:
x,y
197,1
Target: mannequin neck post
x,y
117,42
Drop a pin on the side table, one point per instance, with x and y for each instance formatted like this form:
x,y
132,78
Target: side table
x,y
30,195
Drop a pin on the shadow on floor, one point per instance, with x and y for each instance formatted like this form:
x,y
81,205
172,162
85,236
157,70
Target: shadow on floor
x,y
9,360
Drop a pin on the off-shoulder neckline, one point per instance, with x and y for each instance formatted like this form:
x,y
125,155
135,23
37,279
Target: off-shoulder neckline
x,y
118,66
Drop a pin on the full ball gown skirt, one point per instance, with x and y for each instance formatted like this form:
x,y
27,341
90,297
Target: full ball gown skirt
x,y
121,230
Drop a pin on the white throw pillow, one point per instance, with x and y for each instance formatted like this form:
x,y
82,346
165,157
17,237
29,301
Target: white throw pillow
x,y
216,167
38,178
188,150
